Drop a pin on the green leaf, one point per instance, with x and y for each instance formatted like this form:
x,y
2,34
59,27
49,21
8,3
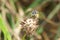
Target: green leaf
x,y
4,29
35,3
9,18
39,30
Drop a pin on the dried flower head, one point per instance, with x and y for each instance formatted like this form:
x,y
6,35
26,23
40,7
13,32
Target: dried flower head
x,y
30,24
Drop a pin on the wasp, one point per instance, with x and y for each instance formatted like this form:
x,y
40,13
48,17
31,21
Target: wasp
x,y
35,14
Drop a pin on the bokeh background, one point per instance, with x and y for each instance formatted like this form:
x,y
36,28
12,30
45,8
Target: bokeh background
x,y
29,19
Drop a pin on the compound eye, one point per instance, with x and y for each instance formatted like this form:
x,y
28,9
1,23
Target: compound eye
x,y
34,12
